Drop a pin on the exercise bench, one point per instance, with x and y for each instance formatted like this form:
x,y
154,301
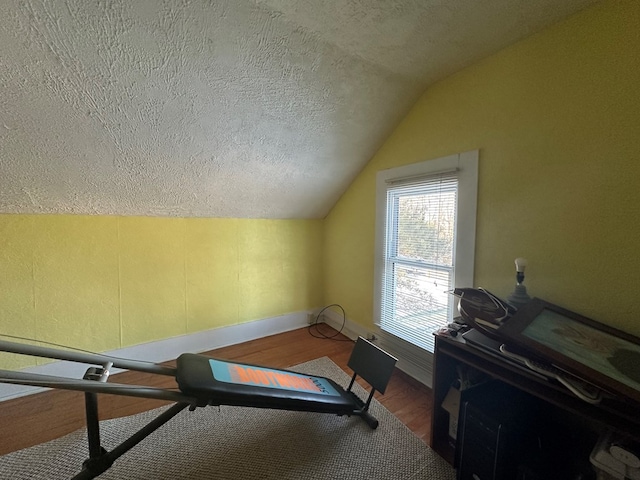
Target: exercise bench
x,y
205,381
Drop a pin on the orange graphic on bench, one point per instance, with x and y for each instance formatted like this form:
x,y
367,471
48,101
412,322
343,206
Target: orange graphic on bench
x,y
269,378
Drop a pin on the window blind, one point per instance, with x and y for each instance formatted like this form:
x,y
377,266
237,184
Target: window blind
x,y
419,253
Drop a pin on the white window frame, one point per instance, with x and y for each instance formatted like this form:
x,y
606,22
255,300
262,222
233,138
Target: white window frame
x,y
416,360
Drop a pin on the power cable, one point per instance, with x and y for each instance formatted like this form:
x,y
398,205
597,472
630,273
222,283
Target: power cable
x,y
314,327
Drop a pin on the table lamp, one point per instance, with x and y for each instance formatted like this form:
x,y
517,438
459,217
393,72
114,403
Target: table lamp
x,y
519,295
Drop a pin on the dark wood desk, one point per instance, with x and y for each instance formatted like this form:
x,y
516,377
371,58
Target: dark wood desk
x,y
452,353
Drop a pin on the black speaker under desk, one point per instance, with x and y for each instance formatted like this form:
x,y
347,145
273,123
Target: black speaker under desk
x,y
497,432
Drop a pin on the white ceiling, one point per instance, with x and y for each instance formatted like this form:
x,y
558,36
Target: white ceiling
x,y
236,108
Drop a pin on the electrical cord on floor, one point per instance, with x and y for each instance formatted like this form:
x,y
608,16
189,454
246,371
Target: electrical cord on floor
x,y
315,326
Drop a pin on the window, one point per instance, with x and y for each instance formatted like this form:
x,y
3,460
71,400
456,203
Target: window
x,y
425,241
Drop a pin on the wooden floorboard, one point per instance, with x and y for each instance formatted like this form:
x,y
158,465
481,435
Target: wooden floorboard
x,y
37,418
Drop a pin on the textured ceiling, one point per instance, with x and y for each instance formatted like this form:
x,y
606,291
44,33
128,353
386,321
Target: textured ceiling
x,y
237,108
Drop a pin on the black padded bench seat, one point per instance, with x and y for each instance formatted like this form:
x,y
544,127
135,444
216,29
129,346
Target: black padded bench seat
x,y
220,382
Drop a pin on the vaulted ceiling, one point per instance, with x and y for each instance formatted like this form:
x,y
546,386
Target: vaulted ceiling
x,y
231,108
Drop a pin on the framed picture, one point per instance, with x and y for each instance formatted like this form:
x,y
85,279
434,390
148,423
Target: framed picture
x,y
599,354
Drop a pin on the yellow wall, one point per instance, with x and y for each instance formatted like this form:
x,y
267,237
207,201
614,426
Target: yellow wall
x,y
101,283
556,118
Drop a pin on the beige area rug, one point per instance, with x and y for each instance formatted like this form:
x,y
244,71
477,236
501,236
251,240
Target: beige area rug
x,y
246,443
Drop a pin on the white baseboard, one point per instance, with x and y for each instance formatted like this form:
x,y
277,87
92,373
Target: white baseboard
x,y
168,349
416,365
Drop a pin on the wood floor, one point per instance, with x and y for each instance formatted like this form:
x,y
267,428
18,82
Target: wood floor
x,y
44,416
